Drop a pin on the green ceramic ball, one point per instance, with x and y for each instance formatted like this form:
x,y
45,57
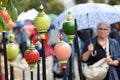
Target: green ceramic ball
x,y
69,28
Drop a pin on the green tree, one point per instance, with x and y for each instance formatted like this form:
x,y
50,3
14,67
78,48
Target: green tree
x,y
22,5
111,2
99,1
51,6
80,1
54,7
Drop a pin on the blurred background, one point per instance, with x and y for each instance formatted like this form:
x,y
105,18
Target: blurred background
x,y
50,5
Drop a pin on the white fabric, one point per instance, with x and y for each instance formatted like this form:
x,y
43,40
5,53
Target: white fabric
x,y
98,70
88,15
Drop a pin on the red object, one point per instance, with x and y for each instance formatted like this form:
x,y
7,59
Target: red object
x,y
5,15
61,37
10,24
31,56
34,37
62,50
2,76
48,47
30,28
11,41
64,66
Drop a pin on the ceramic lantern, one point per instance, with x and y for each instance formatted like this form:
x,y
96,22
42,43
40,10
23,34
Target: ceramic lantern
x,y
11,37
31,56
62,52
69,27
42,21
12,49
38,46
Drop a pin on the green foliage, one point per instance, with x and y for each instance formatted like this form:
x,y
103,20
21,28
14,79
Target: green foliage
x,y
99,1
50,6
54,7
4,2
22,6
80,1
84,1
12,10
113,2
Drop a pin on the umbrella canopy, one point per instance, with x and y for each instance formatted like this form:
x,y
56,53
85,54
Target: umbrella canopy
x,y
29,15
89,15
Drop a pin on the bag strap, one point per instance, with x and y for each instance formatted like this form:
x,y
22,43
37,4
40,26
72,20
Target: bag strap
x,y
107,49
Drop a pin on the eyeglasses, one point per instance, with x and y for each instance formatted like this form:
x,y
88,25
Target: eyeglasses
x,y
104,29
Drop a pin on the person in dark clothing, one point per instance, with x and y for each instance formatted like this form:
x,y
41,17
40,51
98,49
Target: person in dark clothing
x,y
95,49
115,34
21,39
115,29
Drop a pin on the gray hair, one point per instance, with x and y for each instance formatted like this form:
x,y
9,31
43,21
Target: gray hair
x,y
103,23
106,24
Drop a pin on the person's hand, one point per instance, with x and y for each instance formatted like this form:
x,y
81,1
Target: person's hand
x,y
116,62
109,60
90,47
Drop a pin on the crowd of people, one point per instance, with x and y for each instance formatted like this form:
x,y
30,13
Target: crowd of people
x,y
93,49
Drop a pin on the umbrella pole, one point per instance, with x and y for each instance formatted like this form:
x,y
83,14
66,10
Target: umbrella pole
x,y
42,35
78,51
38,70
5,57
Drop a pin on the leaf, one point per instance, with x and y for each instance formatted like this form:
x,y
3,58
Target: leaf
x,y
4,2
12,11
18,0
3,25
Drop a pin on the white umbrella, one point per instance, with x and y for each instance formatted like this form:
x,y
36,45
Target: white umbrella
x,y
88,15
29,15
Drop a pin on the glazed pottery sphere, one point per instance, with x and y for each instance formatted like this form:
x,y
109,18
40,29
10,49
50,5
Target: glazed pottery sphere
x,y
69,28
62,51
11,36
12,51
42,23
39,49
31,56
